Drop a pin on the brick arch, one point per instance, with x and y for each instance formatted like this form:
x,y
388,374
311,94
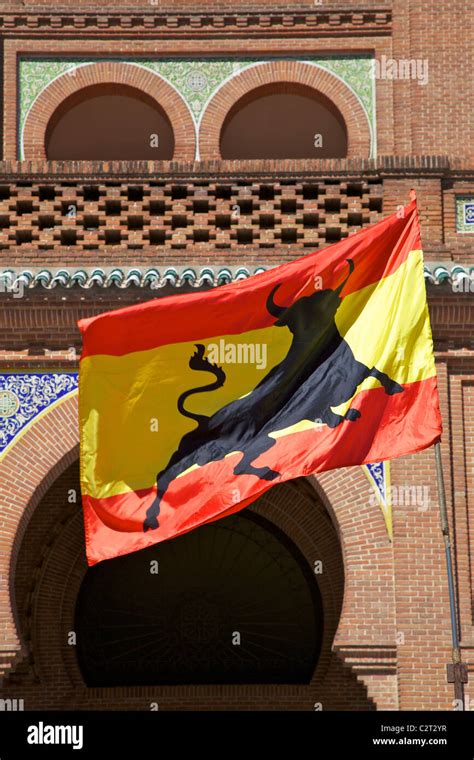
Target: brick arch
x,y
336,523
29,469
39,115
287,72
366,636
54,573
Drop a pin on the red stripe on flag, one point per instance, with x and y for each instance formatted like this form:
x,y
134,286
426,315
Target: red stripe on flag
x,y
114,525
240,307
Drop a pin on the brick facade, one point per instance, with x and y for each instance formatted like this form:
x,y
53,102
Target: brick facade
x,y
386,634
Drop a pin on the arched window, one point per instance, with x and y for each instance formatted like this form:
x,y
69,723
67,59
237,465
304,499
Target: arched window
x,y
109,122
232,602
283,121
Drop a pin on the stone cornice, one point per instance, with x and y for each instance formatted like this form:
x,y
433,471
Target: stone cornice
x,y
369,659
157,21
414,166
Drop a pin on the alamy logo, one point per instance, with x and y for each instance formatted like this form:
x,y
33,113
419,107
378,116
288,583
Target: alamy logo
x,y
402,68
12,705
41,734
17,287
238,353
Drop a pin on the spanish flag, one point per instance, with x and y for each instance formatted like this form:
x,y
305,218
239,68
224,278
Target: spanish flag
x,y
192,406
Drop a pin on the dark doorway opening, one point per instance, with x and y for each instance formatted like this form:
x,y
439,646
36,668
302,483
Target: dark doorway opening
x,y
283,121
237,577
109,122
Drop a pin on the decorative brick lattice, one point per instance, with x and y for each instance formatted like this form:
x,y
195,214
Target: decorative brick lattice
x,y
202,214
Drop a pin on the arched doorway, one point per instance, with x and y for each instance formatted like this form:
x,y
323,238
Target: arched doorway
x,y
109,122
231,602
281,121
289,528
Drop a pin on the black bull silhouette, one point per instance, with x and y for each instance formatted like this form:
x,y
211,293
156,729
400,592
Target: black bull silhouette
x,y
318,372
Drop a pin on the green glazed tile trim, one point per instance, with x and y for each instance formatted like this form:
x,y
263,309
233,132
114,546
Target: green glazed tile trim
x,y
197,80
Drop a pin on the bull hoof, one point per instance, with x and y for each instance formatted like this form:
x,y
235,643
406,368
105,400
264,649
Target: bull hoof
x,y
263,473
393,388
150,523
267,474
352,415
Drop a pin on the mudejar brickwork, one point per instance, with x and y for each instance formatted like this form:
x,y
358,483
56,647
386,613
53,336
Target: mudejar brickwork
x,y
150,149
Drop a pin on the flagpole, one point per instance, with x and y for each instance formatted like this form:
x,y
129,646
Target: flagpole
x,y
457,672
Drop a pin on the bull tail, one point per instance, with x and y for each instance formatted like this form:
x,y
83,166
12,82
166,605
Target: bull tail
x,y
200,363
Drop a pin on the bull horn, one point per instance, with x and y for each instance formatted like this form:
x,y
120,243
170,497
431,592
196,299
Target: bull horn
x,y
351,269
272,307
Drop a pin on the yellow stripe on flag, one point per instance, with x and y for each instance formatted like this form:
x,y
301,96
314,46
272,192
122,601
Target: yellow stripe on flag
x,y
130,421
